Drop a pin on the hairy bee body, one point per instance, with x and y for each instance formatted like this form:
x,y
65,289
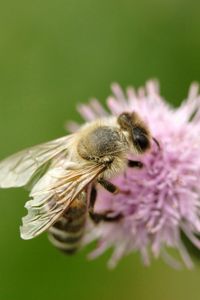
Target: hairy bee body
x,y
67,232
60,172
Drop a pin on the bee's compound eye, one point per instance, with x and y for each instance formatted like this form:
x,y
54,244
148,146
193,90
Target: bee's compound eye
x,y
142,141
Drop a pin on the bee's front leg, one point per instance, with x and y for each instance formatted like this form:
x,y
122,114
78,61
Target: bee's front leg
x,y
109,186
96,217
135,164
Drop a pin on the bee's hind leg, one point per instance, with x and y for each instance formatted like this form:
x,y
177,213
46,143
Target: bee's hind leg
x,y
96,217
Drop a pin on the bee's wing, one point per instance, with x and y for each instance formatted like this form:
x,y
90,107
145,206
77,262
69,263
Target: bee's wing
x,y
17,170
53,194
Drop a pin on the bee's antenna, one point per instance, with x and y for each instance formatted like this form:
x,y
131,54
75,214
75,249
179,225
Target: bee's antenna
x,y
157,143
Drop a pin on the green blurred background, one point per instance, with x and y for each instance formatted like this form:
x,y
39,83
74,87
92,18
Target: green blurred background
x,y
54,54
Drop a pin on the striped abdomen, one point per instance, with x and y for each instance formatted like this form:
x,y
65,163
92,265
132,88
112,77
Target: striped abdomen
x,y
67,232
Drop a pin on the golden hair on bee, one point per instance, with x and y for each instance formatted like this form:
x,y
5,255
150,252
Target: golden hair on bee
x,y
60,173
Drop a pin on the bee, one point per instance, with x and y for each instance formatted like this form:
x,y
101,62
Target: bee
x,y
61,171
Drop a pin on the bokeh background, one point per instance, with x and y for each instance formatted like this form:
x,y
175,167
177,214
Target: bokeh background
x,y
54,54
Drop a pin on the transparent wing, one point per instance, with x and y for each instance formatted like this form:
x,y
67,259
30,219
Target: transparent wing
x,y
17,170
53,194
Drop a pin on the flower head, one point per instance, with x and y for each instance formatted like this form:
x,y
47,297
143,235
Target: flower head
x,y
162,199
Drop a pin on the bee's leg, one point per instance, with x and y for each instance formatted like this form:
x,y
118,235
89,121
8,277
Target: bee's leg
x,y
96,217
135,164
110,187
93,197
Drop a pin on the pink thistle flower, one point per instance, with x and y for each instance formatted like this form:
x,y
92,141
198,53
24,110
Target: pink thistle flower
x,y
162,199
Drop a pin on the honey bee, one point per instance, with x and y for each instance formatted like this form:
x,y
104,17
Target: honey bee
x,y
60,172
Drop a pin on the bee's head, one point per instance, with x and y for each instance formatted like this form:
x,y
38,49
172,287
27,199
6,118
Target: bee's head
x,y
138,132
